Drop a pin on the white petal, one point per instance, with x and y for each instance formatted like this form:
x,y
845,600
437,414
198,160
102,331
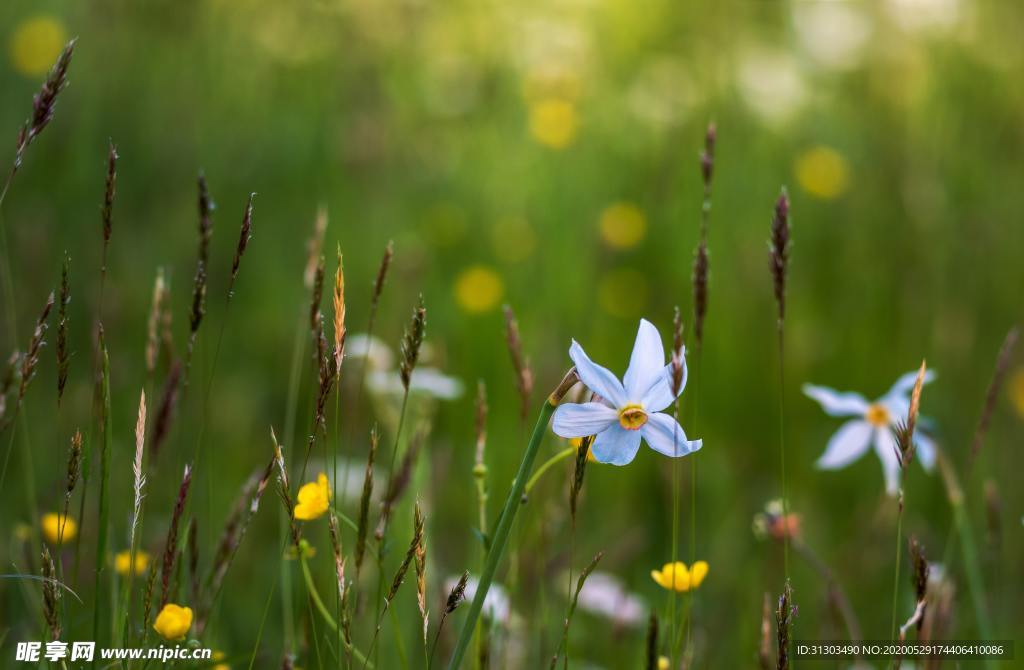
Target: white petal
x,y
885,447
659,395
925,450
905,384
572,420
616,445
835,403
598,379
847,445
666,436
645,363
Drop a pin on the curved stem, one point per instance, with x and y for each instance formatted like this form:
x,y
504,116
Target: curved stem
x,y
322,609
547,465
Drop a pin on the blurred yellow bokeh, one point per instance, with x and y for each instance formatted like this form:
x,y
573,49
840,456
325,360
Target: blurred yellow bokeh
x,y
623,225
553,122
822,172
623,292
35,45
478,289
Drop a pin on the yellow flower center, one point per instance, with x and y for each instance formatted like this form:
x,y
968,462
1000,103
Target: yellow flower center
x,y
877,416
632,416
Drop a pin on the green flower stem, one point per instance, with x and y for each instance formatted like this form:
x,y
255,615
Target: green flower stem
x,y
547,465
501,533
311,587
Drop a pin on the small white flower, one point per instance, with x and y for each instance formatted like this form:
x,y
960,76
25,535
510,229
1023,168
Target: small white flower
x,y
630,409
604,595
428,381
376,352
873,426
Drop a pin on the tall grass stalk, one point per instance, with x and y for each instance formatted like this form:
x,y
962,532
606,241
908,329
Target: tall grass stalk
x,y
508,513
104,501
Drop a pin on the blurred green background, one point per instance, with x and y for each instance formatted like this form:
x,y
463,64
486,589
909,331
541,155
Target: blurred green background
x,y
545,155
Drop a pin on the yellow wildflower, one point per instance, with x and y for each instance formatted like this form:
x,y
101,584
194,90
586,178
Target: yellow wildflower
x,y
663,663
478,289
35,45
173,621
676,576
822,172
577,442
314,498
219,656
123,562
553,122
623,225
52,531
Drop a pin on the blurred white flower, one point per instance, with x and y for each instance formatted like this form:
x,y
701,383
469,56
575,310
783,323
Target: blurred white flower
x,y
926,15
832,33
604,595
361,345
497,606
428,381
771,84
873,423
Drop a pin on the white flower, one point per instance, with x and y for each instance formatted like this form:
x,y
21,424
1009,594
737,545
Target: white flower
x,y
604,595
372,348
428,381
873,426
628,410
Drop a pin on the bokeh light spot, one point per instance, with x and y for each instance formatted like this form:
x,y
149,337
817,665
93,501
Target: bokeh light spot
x,y
623,225
822,172
35,45
553,122
478,289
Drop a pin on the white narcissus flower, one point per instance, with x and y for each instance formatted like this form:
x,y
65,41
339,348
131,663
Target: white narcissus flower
x,y
628,410
874,424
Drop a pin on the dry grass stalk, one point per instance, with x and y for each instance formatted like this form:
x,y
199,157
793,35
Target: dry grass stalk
x,y
74,466
206,207
162,424
63,355
339,314
244,235
779,252
171,544
421,573
382,275
994,386
577,476
412,341
153,322
364,501
398,483
651,645
678,364
455,598
784,614
43,104
109,191
520,363
316,298
147,596
314,247
284,491
339,557
904,430
7,382
701,260
35,345
51,595
137,469
572,609
410,554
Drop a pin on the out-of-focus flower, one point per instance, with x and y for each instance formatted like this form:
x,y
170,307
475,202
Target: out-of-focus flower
x,y
1017,391
630,409
35,45
604,595
664,663
771,84
822,172
313,499
832,33
219,656
514,239
22,532
552,80
553,122
934,16
497,606
173,621
623,225
427,381
677,577
478,289
623,292
51,524
874,424
773,523
378,354
123,562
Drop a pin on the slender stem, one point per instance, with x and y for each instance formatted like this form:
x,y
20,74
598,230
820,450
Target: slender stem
x,y
325,613
104,511
501,534
782,445
896,577
547,465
